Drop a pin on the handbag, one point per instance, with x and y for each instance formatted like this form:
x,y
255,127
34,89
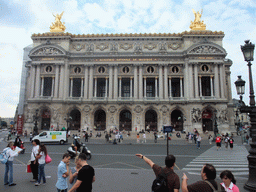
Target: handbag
x,y
48,159
28,170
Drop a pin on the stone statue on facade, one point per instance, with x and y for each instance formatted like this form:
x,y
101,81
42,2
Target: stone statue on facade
x,y
196,115
197,24
58,26
222,115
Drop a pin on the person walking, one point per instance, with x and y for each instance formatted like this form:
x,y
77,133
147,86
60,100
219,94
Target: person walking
x,y
231,143
229,182
9,164
138,138
42,152
226,140
85,177
86,136
218,140
210,139
63,173
208,183
34,162
173,181
144,138
198,140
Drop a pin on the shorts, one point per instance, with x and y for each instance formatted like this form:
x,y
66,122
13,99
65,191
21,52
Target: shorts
x,y
218,144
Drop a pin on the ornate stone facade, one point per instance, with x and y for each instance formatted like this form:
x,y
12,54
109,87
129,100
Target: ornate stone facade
x,y
129,81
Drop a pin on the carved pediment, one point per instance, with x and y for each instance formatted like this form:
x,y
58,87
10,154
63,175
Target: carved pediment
x,y
47,51
206,49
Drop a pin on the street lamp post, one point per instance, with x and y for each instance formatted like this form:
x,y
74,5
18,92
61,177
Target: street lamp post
x,y
248,51
36,118
215,130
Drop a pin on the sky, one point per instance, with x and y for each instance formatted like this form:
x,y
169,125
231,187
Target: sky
x,y
19,19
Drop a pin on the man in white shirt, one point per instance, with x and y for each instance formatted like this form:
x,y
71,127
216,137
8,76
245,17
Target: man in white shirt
x,y
8,165
34,163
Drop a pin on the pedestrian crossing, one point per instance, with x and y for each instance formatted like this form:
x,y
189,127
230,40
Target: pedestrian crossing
x,y
234,160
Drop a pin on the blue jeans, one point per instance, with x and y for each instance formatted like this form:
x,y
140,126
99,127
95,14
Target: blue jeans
x,y
62,190
198,144
8,168
41,173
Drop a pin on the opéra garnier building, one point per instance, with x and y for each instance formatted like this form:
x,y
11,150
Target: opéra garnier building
x,y
128,81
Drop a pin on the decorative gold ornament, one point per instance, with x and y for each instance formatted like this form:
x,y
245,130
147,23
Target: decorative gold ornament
x,y
58,26
197,24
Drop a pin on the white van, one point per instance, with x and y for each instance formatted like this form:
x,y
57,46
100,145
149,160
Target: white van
x,y
52,136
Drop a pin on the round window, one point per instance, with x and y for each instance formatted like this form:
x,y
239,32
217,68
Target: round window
x,y
205,68
175,69
101,70
48,69
150,69
77,70
126,70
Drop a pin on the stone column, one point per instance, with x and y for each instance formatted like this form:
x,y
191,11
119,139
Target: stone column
x,y
52,91
130,87
91,83
181,87
216,81
145,87
165,82
170,86
211,84
200,85
95,87
160,82
33,68
37,88
66,84
190,81
135,82
82,86
120,87
42,86
86,83
71,87
156,86
110,95
196,80
106,93
140,83
62,81
56,82
115,83
186,79
222,81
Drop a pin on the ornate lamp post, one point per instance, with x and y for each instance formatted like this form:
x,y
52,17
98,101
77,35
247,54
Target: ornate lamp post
x,y
215,129
248,51
36,118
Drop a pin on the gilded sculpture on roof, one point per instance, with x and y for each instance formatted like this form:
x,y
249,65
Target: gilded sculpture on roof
x,y
197,24
57,26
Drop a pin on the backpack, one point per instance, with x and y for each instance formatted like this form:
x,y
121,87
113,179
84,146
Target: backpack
x,y
3,157
160,183
214,190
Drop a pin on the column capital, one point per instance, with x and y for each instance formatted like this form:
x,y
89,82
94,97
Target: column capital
x,y
71,77
211,76
144,77
119,77
106,77
42,77
156,77
131,77
200,76
53,77
181,77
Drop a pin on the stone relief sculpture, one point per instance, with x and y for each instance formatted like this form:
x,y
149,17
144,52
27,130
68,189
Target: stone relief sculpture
x,y
55,114
114,47
222,115
78,47
138,120
90,48
138,48
150,46
102,46
112,109
87,108
205,49
162,47
138,109
112,120
29,116
126,46
48,51
196,115
164,109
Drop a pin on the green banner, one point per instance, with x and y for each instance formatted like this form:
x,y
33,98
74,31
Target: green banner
x,y
55,133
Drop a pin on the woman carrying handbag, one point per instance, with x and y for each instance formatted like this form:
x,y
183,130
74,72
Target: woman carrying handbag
x,y
42,153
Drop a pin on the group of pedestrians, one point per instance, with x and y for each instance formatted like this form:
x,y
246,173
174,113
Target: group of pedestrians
x,y
229,141
208,175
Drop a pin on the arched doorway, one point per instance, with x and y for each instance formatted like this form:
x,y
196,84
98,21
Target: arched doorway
x,y
151,120
75,123
46,119
207,123
177,120
100,120
125,120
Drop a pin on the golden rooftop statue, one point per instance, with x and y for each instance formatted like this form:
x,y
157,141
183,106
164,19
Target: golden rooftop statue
x,y
58,26
197,24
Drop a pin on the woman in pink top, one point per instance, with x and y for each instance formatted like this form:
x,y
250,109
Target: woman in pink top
x,y
228,181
